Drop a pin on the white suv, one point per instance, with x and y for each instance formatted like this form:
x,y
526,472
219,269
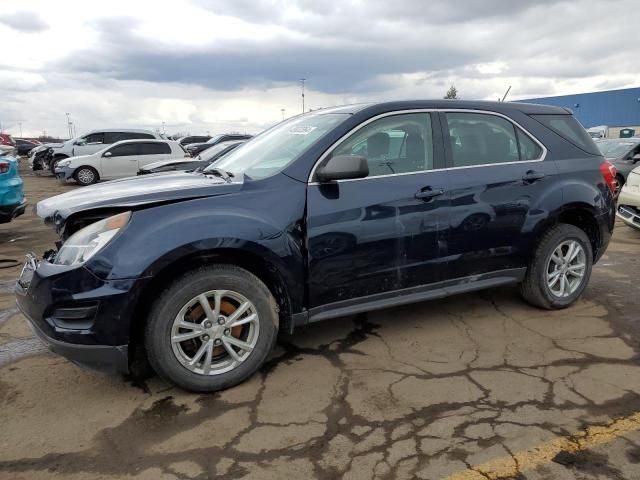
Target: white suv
x,y
122,159
92,142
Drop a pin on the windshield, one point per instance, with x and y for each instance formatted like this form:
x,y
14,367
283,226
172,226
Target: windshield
x,y
274,149
614,149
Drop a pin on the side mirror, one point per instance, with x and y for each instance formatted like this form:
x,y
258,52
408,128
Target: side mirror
x,y
81,141
106,154
636,158
343,167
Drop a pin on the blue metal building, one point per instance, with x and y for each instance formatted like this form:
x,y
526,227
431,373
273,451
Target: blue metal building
x,y
614,108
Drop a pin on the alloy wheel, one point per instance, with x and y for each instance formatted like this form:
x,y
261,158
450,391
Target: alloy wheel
x,y
215,332
566,268
86,176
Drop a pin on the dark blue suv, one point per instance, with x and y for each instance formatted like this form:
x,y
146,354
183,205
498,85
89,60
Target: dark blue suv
x,y
327,214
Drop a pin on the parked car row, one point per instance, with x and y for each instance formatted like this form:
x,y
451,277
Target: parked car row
x,y
116,153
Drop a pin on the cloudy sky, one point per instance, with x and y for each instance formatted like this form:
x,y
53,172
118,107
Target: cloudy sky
x,y
221,65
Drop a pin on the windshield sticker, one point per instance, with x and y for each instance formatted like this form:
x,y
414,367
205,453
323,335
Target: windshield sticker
x,y
301,130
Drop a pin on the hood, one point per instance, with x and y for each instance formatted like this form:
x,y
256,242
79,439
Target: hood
x,y
59,145
134,192
76,157
167,163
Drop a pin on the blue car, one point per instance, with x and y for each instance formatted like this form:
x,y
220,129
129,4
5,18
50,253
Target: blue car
x,y
12,200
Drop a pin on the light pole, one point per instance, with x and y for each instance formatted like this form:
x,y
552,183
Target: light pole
x,y
302,80
282,110
69,125
163,128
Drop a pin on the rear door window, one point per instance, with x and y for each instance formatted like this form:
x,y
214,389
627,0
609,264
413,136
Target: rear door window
x,y
155,148
94,138
484,139
113,137
124,150
570,129
481,139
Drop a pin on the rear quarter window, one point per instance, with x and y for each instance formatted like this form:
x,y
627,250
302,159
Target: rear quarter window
x,y
570,129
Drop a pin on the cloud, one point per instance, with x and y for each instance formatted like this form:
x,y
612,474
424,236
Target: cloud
x,y
347,47
233,64
24,21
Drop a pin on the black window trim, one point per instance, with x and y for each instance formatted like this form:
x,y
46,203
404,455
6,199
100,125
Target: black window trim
x,y
435,123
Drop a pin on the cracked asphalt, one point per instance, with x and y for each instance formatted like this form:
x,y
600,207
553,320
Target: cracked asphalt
x,y
478,386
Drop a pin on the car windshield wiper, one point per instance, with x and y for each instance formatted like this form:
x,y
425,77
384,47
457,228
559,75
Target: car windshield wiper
x,y
219,173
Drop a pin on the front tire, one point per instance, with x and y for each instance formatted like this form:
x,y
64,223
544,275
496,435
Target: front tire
x,y
560,269
54,163
86,176
212,328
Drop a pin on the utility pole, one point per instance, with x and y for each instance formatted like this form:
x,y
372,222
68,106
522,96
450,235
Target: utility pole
x,y
20,124
302,80
282,110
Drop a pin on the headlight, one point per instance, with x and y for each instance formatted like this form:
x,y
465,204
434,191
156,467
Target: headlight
x,y
85,243
64,163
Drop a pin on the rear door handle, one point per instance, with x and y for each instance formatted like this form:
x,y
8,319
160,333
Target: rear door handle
x,y
532,176
427,193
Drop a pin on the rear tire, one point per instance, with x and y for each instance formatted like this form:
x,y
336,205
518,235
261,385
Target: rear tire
x,y
86,176
220,350
554,280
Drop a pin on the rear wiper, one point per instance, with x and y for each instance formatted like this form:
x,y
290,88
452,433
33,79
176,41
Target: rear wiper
x,y
219,173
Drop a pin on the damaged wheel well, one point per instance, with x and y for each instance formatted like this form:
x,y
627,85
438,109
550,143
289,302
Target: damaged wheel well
x,y
251,262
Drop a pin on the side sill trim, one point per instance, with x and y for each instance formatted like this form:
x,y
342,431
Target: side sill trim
x,y
416,294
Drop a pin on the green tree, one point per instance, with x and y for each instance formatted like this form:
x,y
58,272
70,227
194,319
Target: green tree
x,y
452,93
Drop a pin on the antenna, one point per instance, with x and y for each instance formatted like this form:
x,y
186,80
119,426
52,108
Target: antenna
x,y
506,93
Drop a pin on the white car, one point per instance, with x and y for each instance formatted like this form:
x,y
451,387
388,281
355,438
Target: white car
x,y
629,200
92,142
122,159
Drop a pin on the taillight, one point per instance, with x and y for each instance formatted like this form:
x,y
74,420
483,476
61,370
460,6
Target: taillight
x,y
4,167
609,175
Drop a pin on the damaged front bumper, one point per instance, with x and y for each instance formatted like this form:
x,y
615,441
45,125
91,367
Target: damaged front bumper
x,y
78,315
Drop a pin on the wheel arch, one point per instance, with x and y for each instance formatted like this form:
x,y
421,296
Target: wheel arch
x,y
263,268
580,215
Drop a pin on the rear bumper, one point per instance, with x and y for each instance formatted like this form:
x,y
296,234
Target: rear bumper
x,y
9,212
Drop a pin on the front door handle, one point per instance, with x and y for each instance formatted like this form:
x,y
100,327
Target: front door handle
x,y
427,193
532,176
